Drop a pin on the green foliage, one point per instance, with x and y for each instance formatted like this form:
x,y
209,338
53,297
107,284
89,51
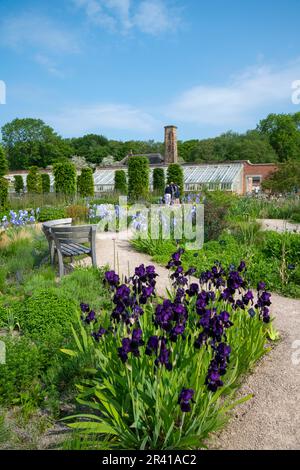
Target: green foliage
x,y
283,133
216,209
45,183
149,394
285,179
85,183
3,162
51,213
20,373
3,193
252,146
34,180
46,317
138,177
19,184
120,182
22,254
30,142
175,175
65,178
159,180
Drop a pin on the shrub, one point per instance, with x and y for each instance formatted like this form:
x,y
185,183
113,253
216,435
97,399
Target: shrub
x,y
175,175
120,182
3,162
34,180
51,213
77,212
173,364
216,209
19,184
138,177
85,183
20,373
3,193
65,178
46,318
45,183
159,180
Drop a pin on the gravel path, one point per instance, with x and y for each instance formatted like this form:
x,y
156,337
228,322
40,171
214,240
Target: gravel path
x,y
279,225
271,420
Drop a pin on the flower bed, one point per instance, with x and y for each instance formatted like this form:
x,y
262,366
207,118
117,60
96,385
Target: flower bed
x,y
167,369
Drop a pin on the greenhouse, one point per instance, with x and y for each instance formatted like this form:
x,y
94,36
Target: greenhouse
x,y
227,177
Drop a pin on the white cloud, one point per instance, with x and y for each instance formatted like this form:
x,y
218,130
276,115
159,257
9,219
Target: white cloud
x,y
148,16
38,32
152,17
49,64
257,88
102,117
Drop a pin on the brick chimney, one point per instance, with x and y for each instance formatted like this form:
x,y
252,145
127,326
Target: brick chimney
x,y
171,154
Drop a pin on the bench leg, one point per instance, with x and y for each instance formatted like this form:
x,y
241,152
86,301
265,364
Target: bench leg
x,y
94,258
52,253
60,264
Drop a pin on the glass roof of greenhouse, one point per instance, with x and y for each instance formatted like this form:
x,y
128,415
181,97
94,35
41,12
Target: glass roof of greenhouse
x,y
222,173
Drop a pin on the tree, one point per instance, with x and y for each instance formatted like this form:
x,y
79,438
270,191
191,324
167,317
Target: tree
x,y
175,175
30,142
34,180
138,177
85,183
159,180
283,133
45,183
186,149
3,181
120,182
3,162
285,179
3,193
19,184
65,177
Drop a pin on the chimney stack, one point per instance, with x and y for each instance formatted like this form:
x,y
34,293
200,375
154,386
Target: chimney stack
x,y
171,154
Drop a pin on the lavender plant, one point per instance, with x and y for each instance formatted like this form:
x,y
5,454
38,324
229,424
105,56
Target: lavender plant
x,y
167,369
19,219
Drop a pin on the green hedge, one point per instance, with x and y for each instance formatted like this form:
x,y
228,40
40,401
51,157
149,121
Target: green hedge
x,y
175,175
3,193
159,180
19,184
120,182
45,183
85,183
34,180
138,177
65,178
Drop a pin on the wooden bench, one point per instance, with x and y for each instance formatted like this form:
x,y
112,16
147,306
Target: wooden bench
x,y
66,240
46,229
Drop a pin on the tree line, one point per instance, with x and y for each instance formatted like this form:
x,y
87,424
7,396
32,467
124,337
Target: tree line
x,y
30,142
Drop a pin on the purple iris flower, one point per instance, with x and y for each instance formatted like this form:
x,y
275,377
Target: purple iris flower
x,y
84,307
184,399
91,316
112,278
152,345
193,289
261,285
98,335
164,356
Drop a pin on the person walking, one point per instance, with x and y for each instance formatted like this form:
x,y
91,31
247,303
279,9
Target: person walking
x,y
168,194
176,194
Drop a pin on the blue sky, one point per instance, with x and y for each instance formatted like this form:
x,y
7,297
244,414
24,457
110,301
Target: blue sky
x,y
126,68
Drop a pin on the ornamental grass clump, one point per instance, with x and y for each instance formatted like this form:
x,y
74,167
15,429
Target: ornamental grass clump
x,y
167,369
